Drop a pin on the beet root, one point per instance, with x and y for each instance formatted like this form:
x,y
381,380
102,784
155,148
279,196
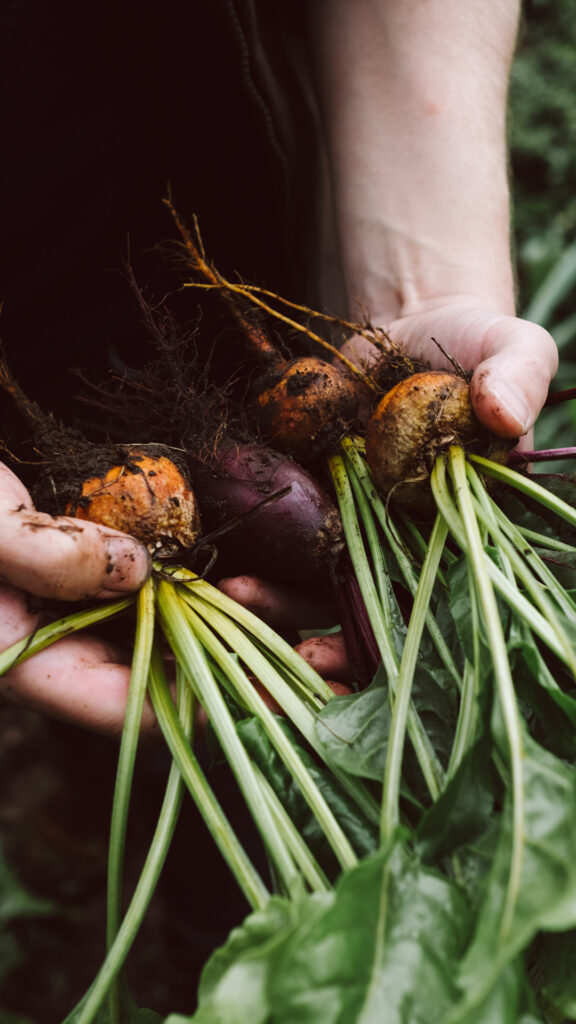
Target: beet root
x,y
415,422
306,406
293,539
145,494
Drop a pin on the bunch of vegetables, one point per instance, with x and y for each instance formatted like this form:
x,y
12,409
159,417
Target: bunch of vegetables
x,y
421,832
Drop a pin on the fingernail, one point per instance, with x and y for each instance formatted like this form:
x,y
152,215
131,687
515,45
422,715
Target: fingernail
x,y
128,564
512,401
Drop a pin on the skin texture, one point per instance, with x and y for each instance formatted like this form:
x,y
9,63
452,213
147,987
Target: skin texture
x,y
78,679
413,98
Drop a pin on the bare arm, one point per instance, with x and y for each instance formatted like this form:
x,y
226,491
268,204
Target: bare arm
x,y
414,95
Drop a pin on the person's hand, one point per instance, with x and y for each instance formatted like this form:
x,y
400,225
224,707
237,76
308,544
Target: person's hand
x,y
83,679
513,360
79,679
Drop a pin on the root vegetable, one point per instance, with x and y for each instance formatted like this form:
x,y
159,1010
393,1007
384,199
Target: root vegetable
x,y
304,405
294,539
145,495
414,422
300,406
142,490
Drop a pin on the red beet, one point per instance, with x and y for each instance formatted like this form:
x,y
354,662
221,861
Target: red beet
x,y
294,539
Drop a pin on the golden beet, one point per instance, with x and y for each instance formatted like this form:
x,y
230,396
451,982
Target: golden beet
x,y
414,422
146,496
309,404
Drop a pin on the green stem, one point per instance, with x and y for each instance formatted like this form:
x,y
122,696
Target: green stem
x,y
265,635
405,563
292,684
356,548
50,634
502,674
125,771
508,591
220,829
89,1006
523,566
303,856
429,764
192,657
401,707
251,699
527,486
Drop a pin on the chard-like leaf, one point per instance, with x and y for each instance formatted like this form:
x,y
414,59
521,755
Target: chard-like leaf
x,y
353,730
463,809
386,949
546,898
235,982
362,833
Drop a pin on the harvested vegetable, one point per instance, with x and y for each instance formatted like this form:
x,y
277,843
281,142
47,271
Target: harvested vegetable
x,y
146,495
300,405
294,538
413,423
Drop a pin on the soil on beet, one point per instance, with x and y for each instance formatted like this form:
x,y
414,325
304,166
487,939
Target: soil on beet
x,y
54,822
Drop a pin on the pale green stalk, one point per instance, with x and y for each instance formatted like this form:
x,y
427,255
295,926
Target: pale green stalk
x,y
427,759
50,634
283,676
191,656
87,1009
296,709
524,571
509,591
405,563
527,486
303,856
388,601
466,725
401,706
502,675
357,551
125,771
251,699
268,637
222,832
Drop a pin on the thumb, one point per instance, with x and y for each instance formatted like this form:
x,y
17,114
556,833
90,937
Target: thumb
x,y
61,557
510,385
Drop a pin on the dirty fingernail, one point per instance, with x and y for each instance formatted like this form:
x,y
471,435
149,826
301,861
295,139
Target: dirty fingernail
x,y
512,401
128,564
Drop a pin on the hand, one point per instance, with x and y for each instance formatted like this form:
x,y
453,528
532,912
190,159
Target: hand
x,y
79,679
513,360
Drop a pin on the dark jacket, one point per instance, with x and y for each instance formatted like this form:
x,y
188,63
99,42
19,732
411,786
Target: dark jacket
x,y
103,110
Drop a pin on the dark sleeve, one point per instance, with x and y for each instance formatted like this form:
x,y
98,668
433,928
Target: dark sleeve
x,y
103,111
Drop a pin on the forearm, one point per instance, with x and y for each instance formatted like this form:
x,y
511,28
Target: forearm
x,y
414,98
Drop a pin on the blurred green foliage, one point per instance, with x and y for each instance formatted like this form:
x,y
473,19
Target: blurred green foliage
x,y
542,134
543,139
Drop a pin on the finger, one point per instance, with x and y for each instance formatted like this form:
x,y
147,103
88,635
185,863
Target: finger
x,y
79,679
280,606
509,387
61,557
328,656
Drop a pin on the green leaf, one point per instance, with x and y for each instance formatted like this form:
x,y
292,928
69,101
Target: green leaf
x,y
362,834
235,982
547,896
353,730
386,949
556,979
462,812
